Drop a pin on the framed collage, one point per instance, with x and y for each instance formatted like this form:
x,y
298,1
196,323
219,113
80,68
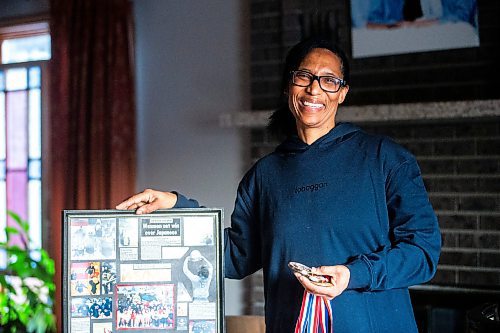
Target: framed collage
x,y
143,273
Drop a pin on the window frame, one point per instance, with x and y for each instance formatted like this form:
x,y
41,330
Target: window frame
x,y
30,28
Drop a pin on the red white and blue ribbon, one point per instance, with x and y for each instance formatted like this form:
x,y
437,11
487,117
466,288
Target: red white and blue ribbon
x,y
315,315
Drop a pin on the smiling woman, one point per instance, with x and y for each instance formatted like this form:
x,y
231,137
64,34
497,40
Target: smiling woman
x,y
314,105
330,196
334,66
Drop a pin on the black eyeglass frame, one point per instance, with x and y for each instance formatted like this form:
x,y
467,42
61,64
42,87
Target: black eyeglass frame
x,y
343,83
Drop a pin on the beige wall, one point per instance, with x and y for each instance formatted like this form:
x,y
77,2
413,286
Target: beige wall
x,y
191,62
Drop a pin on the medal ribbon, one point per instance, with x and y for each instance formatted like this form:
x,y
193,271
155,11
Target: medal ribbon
x,y
315,315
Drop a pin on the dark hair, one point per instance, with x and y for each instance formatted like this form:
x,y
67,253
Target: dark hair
x,y
203,272
282,122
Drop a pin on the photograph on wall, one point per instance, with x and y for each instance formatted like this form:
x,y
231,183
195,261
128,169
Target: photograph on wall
x,y
154,272
388,27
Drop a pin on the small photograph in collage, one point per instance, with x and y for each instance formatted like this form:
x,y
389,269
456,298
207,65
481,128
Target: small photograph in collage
x,y
98,327
108,277
145,307
202,326
182,324
93,239
85,278
95,308
128,232
198,231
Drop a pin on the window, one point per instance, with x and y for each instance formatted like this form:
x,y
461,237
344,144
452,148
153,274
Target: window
x,y
24,51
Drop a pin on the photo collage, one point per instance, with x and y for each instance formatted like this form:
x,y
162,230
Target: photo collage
x,y
145,273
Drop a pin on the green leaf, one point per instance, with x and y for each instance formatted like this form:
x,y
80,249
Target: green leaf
x,y
11,231
36,313
23,224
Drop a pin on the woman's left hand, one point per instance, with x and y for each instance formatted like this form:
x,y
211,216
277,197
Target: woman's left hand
x,y
339,276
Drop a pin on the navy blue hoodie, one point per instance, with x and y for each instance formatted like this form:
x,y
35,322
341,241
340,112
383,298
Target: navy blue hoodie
x,y
349,198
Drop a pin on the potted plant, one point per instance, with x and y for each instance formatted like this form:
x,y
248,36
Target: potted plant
x,y
27,286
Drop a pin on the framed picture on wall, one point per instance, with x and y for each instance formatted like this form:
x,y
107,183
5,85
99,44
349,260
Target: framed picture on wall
x,y
388,27
142,273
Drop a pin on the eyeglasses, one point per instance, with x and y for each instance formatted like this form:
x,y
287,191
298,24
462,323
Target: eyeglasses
x,y
328,83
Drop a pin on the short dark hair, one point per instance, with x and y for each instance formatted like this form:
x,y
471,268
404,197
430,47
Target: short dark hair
x,y
282,122
203,272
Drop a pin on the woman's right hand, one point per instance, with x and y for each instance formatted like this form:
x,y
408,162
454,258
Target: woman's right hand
x,y
148,201
339,277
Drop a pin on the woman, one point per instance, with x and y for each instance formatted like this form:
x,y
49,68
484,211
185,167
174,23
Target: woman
x,y
330,196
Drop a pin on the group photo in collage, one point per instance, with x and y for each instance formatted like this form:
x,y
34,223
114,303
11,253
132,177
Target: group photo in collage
x,y
142,274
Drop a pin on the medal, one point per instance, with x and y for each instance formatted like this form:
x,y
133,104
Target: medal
x,y
315,315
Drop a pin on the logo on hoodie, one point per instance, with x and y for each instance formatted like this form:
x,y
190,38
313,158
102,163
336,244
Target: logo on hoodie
x,y
311,188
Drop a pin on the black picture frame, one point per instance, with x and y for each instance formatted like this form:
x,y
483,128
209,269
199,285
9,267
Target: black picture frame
x,y
143,273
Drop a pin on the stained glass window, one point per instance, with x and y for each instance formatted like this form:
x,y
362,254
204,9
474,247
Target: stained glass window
x,y
21,91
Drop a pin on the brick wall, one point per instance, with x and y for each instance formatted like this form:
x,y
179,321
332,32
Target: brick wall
x,y
460,161
460,74
460,164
